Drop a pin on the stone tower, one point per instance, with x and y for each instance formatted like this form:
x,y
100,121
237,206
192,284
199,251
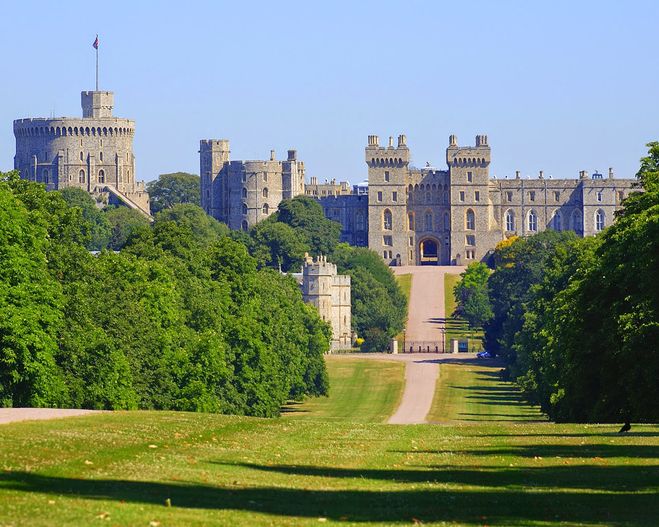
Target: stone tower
x,y
213,155
94,152
471,211
387,205
330,294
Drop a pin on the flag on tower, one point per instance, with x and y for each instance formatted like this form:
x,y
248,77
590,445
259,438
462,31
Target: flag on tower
x,y
95,44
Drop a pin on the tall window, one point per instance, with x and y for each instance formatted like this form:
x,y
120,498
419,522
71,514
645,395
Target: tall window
x,y
265,208
477,196
387,220
244,225
470,220
244,208
509,196
510,220
244,193
428,221
577,221
447,221
557,195
599,196
394,196
380,196
81,176
470,177
532,195
557,221
533,221
265,192
82,157
45,176
386,175
462,195
599,220
360,221
101,176
410,221
100,156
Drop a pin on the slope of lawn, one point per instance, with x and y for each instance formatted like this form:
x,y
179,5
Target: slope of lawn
x,y
405,283
366,391
473,391
456,327
157,469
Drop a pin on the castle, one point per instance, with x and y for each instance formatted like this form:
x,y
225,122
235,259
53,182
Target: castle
x,y
329,293
415,216
94,153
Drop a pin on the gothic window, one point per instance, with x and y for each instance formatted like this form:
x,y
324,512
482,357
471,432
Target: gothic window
x,y
533,221
410,221
387,220
428,221
101,176
360,221
244,225
82,158
45,177
470,221
81,176
265,208
510,220
599,220
557,221
445,198
244,193
100,156
577,223
447,221
387,241
244,208
470,240
265,192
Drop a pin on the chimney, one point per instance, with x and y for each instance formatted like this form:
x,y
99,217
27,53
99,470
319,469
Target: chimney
x,y
292,155
272,155
541,176
516,174
402,140
610,173
373,140
391,142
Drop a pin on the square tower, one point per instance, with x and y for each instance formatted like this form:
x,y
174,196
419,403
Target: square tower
x,y
97,103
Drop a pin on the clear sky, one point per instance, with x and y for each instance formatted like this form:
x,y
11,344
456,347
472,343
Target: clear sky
x,y
556,86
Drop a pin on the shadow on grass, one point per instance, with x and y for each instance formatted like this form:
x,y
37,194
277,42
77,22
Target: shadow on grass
x,y
291,407
500,505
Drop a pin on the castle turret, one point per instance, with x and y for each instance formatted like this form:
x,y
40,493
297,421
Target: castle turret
x,y
97,103
213,154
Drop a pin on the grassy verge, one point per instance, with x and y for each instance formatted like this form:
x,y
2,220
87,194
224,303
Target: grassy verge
x,y
361,390
474,392
456,327
405,283
122,468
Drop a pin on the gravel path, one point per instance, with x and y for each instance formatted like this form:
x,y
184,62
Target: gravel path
x,y
11,415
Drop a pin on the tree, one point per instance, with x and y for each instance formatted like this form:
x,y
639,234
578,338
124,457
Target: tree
x,y
172,189
97,228
205,228
472,296
124,222
277,245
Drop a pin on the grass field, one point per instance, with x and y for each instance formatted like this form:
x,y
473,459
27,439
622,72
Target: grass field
x,y
360,390
457,328
124,468
474,392
405,283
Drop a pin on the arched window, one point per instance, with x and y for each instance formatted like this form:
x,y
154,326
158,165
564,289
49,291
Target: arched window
x,y
387,220
510,220
533,221
557,221
445,199
244,208
46,176
447,221
577,221
360,221
82,157
265,192
100,156
101,176
599,220
81,176
265,208
428,197
410,221
470,220
428,220
244,193
244,225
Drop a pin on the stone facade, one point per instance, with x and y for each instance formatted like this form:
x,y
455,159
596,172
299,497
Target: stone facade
x,y
242,193
94,152
416,216
330,293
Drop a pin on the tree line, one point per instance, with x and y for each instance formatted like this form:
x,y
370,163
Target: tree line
x,y
182,317
577,319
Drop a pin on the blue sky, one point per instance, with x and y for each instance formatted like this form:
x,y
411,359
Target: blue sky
x,y
556,86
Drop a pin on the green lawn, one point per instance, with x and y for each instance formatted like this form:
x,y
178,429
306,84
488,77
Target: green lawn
x,y
474,392
361,390
456,327
122,468
405,283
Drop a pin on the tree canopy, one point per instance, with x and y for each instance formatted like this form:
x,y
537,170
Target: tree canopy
x,y
172,189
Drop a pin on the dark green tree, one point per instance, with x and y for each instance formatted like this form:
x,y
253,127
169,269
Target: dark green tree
x,y
277,245
173,189
124,222
472,295
97,227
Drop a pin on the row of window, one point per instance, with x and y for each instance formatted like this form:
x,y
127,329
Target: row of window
x,y
557,195
57,131
264,193
265,209
82,178
556,222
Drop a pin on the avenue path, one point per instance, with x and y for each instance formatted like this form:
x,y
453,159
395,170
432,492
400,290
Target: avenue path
x,y
425,321
11,415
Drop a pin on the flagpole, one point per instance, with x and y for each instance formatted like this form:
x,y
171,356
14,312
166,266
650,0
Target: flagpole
x,y
96,66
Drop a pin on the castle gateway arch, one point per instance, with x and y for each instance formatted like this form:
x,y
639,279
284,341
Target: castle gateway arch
x,y
429,251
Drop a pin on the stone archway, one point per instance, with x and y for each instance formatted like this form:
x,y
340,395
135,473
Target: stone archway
x,y
429,251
